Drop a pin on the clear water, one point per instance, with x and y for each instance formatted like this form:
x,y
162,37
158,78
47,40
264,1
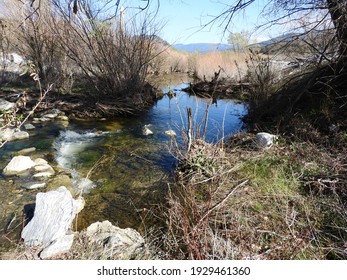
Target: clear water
x,y
130,171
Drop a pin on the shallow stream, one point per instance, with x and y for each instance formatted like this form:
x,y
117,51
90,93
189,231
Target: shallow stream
x,y
129,170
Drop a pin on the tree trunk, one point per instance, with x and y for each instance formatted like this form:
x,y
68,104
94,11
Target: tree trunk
x,y
338,13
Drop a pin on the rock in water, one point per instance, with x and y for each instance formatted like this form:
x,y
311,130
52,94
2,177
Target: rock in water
x,y
265,140
146,131
9,134
170,133
18,165
53,216
26,151
32,186
83,185
29,126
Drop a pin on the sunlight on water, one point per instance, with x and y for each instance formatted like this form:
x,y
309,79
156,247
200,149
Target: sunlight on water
x,y
128,169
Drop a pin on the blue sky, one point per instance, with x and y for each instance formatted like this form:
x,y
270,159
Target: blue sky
x,y
184,19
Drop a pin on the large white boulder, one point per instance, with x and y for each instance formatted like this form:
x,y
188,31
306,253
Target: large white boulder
x,y
53,216
18,165
123,243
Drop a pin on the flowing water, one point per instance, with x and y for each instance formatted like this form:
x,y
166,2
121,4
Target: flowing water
x,y
122,173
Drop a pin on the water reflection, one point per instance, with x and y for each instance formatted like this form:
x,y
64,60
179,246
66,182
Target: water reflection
x,y
130,170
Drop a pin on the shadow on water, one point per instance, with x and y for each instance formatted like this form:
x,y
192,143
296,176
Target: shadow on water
x,y
130,170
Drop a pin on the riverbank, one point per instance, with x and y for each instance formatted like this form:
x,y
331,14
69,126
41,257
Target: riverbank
x,y
237,201
228,200
128,168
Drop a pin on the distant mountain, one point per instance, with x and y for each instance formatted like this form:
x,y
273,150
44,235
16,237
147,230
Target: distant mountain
x,y
282,38
202,47
208,47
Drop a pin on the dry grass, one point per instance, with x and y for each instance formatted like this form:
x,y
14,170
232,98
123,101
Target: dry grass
x,y
204,66
244,203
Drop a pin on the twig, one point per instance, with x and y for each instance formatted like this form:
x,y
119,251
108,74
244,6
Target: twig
x,y
218,204
98,162
137,156
190,126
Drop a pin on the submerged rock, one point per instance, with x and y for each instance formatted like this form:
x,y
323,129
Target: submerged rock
x,y
53,216
18,166
26,151
82,185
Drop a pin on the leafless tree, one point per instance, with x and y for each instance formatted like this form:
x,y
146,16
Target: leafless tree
x,y
113,55
31,37
283,11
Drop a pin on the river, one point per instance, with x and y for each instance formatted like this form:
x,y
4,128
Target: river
x,y
130,171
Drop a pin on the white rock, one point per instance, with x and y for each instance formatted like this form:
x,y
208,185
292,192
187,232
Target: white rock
x,y
55,112
83,185
33,186
53,216
18,165
44,168
40,161
26,151
20,135
123,243
9,134
265,140
42,175
50,116
146,131
63,118
29,126
170,133
43,119
79,204
61,245
6,105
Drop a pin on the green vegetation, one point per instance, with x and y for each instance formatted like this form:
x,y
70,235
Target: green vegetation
x,y
229,200
239,40
256,204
